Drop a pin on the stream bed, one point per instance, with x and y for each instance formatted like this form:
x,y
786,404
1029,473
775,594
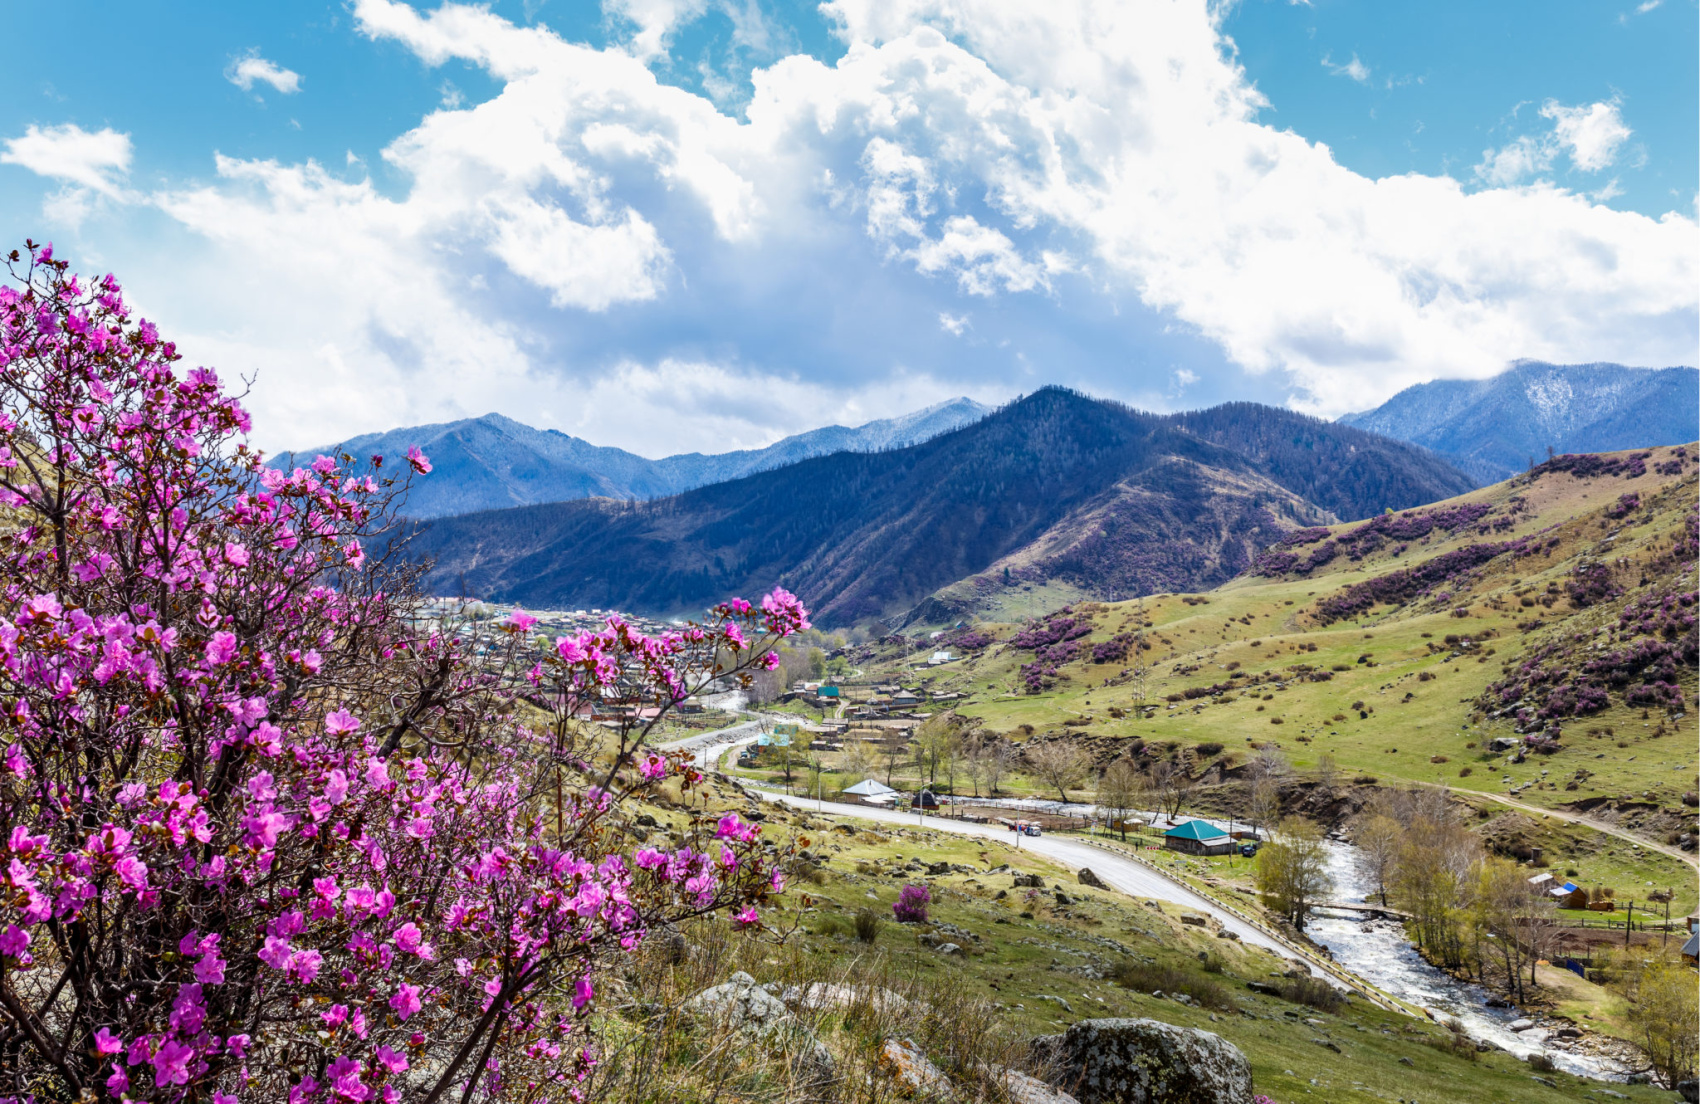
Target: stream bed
x,y
1379,951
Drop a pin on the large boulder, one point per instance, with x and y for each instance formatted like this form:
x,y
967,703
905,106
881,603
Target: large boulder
x,y
1137,1061
1087,878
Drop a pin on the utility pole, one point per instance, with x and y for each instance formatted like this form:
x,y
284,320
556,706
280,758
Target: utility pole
x,y
1629,925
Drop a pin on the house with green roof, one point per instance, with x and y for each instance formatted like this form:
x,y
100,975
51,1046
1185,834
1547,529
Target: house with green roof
x,y
1198,837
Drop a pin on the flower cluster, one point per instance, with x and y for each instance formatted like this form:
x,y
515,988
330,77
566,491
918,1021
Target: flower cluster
x,y
911,904
271,832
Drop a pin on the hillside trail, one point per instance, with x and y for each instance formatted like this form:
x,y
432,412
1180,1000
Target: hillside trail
x,y
1589,822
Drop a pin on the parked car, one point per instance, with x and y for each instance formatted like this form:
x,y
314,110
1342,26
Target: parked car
x,y
1032,829
1249,849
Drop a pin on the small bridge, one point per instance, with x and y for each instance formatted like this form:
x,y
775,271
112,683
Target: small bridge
x,y
1365,912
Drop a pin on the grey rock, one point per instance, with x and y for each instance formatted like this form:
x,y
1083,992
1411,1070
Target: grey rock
x,y
950,949
1028,881
1406,1062
1026,1089
1689,1091
1519,1025
1194,921
1327,1044
1141,1061
744,1007
1087,878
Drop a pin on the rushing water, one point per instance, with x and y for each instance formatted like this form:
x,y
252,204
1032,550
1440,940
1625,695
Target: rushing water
x,y
1378,951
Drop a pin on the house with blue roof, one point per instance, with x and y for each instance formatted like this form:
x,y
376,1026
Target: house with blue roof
x,y
1198,837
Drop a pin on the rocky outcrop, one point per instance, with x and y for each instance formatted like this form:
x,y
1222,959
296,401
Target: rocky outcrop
x,y
1087,878
1138,1061
740,1005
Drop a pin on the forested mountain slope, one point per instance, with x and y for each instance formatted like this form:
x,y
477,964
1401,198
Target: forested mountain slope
x,y
495,462
1119,500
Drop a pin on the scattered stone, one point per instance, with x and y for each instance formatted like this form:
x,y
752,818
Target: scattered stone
x,y
1025,1089
950,949
1062,898
1066,1007
1544,1081
1113,1060
1520,1025
904,1062
1226,934
1406,1062
1028,881
1327,1044
1087,878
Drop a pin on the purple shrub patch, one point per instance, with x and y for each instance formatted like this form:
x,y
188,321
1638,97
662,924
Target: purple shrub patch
x,y
1624,506
1302,536
1653,643
911,906
1590,584
1054,640
1400,528
1589,465
1398,587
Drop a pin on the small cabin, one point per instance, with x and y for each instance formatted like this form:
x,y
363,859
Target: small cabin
x,y
1198,837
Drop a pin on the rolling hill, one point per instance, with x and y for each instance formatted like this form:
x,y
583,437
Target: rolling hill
x,y
1056,487
1555,610
494,462
1496,427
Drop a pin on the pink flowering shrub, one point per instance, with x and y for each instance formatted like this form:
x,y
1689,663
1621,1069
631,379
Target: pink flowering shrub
x,y
911,906
267,831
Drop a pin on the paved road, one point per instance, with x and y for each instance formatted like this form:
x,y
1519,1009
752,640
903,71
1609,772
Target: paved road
x,y
710,746
1119,873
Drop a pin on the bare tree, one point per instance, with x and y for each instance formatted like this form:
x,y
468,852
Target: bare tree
x,y
1377,849
1171,785
1119,791
989,759
1059,764
1264,805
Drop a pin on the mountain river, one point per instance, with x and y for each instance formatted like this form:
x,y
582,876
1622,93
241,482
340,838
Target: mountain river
x,y
1378,951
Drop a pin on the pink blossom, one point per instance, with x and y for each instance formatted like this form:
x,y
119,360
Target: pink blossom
x,y
521,620
105,1042
221,649
418,460
171,1063
748,918
583,992
390,1060
340,722
14,941
406,1001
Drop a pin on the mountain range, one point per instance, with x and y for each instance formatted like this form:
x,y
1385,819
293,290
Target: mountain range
x,y
1054,486
1496,427
494,462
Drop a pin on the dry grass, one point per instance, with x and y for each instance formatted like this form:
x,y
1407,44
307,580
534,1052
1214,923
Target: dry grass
x,y
655,1052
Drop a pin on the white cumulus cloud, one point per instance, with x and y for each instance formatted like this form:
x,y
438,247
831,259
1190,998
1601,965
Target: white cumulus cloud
x,y
591,247
250,69
96,160
1591,134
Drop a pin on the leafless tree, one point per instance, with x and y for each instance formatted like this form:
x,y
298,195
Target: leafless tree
x,y
1058,763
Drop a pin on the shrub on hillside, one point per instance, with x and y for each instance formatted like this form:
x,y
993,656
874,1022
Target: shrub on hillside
x,y
248,783
911,905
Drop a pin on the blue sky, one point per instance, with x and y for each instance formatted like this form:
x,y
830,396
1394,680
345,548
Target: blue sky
x,y
703,224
